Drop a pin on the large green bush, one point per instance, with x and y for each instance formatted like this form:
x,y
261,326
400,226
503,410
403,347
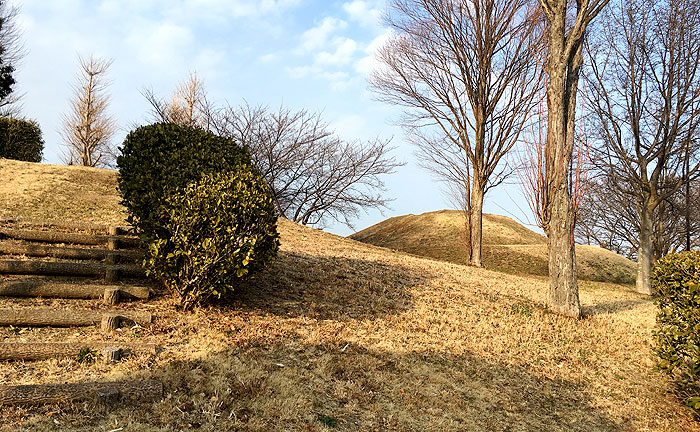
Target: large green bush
x,y
21,140
676,279
204,213
162,158
222,228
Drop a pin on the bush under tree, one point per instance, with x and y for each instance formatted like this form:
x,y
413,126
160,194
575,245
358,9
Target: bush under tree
x,y
222,228
21,140
204,213
163,158
676,279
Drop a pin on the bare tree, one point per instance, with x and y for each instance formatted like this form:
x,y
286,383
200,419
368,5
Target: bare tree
x,y
566,31
11,52
315,176
645,96
531,169
465,73
188,106
88,128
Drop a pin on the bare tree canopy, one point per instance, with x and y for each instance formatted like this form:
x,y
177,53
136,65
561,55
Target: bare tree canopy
x,y
645,98
11,52
466,74
566,30
315,176
88,128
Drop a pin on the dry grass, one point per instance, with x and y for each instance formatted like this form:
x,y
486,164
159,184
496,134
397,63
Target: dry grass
x,y
374,340
508,246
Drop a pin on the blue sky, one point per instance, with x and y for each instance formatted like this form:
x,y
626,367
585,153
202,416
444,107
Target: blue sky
x,y
300,53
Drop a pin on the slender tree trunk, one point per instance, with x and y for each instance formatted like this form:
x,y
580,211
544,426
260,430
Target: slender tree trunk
x,y
475,224
645,251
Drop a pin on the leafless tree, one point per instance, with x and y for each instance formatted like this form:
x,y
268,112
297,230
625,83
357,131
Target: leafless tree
x,y
88,128
645,97
465,73
188,106
315,176
566,30
531,168
11,52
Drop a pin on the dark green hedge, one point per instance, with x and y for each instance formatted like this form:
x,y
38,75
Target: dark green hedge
x,y
676,279
21,140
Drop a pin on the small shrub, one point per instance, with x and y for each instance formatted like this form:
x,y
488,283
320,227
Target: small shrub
x,y
86,355
676,279
160,159
220,229
21,140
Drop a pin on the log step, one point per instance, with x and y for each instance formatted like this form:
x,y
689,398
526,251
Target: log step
x,y
12,248
134,391
83,226
43,351
69,268
72,238
47,288
70,317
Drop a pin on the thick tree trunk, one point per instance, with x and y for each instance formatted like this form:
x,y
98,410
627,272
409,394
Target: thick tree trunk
x,y
137,391
645,252
563,288
563,80
43,351
475,224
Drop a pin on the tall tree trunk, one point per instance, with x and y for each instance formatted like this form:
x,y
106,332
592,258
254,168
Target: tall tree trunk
x,y
645,251
561,103
475,224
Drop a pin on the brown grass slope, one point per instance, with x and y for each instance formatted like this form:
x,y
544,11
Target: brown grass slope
x,y
508,246
375,340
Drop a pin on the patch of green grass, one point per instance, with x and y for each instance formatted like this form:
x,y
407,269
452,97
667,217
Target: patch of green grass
x,y
327,420
86,355
521,308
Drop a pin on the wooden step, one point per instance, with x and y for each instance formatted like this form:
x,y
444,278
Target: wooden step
x,y
105,392
71,317
37,287
66,225
70,238
42,351
33,250
70,268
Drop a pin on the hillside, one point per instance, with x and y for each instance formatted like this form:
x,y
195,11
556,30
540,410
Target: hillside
x,y
508,246
366,337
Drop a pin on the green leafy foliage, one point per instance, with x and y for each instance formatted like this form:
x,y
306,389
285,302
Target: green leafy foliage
x,y
86,355
676,279
160,159
220,229
21,140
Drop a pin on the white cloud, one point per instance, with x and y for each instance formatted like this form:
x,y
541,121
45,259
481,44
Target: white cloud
x,y
369,62
317,37
268,58
162,45
344,50
365,12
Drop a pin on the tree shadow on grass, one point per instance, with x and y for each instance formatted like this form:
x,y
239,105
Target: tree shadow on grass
x,y
300,387
613,307
329,288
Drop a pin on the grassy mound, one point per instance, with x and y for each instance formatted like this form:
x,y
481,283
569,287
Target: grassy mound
x,y
344,336
508,246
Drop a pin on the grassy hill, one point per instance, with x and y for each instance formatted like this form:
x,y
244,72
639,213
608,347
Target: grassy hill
x,y
345,333
508,246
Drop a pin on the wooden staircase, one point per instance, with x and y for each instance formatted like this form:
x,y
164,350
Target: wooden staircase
x,y
79,262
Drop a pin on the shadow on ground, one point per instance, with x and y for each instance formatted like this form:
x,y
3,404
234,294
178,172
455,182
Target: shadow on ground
x,y
301,387
329,288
